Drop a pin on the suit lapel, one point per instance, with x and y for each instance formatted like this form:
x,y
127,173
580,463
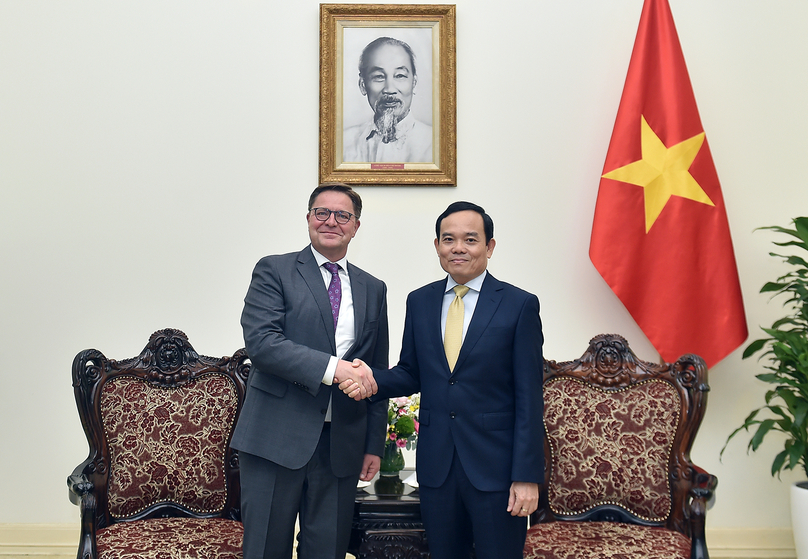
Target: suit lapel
x,y
359,293
432,314
307,267
487,304
432,319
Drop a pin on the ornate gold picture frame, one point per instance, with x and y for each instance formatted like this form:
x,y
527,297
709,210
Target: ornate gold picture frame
x,y
388,111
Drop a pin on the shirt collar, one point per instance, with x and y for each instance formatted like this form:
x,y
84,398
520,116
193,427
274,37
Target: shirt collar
x,y
342,262
475,284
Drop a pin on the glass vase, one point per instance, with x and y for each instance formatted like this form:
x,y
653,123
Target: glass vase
x,y
392,461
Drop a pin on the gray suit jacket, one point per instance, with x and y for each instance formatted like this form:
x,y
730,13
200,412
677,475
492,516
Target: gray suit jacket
x,y
289,336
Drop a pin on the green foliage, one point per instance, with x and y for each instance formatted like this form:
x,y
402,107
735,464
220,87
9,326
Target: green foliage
x,y
785,355
405,426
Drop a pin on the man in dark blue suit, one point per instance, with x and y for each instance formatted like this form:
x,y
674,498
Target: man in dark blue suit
x,y
480,456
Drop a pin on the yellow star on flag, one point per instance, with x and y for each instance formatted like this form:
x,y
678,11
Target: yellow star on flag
x,y
663,172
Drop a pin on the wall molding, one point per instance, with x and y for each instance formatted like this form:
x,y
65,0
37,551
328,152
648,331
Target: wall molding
x,y
750,543
61,540
53,540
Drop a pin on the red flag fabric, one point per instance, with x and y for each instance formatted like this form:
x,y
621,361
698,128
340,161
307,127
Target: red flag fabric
x,y
660,236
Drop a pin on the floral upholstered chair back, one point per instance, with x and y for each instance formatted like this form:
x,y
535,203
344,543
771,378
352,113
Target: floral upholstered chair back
x,y
611,446
167,444
619,481
160,473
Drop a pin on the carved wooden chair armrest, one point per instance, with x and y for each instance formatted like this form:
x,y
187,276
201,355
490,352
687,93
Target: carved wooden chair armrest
x,y
79,486
701,494
81,494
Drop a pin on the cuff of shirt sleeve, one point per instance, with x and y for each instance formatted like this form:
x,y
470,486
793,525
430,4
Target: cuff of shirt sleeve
x,y
330,371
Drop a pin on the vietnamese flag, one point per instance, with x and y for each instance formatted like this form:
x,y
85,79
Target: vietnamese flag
x,y
660,236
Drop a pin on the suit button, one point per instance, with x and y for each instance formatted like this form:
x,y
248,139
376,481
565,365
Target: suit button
x,y
452,381
452,415
322,412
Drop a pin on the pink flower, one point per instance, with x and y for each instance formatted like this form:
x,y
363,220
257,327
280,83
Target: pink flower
x,y
401,443
393,436
417,425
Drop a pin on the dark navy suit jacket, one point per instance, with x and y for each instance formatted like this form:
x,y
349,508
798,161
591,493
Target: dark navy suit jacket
x,y
490,408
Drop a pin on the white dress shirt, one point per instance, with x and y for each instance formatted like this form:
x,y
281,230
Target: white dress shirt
x,y
346,333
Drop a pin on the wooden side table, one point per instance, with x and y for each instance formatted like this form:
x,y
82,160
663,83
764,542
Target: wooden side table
x,y
387,520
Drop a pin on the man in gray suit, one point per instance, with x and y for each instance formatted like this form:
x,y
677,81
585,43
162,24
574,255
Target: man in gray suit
x,y
302,443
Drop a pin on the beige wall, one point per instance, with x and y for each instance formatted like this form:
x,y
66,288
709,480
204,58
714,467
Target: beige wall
x,y
151,152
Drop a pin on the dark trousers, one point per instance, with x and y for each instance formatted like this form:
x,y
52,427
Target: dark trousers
x,y
458,516
272,497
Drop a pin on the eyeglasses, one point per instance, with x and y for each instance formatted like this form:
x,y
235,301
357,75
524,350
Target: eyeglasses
x,y
322,214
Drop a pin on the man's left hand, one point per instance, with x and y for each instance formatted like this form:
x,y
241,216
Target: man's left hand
x,y
370,467
524,499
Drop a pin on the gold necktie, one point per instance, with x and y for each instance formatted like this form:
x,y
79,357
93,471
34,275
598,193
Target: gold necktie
x,y
453,338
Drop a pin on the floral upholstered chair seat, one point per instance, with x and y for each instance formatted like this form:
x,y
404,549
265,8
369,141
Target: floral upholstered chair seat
x,y
166,538
161,481
604,540
619,481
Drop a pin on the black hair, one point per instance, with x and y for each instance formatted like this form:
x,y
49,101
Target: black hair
x,y
454,207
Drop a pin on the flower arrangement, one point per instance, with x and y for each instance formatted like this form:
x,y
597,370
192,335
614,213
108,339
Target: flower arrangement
x,y
402,421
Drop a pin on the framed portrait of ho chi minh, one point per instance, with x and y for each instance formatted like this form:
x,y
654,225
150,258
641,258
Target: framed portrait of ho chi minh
x,y
388,111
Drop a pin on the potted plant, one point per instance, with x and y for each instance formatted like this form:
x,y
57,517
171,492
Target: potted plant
x,y
785,354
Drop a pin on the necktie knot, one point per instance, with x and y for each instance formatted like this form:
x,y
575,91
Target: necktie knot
x,y
460,290
331,267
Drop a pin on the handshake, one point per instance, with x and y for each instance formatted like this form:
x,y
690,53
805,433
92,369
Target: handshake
x,y
355,379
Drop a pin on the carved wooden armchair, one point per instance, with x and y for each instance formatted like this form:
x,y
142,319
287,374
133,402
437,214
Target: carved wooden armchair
x,y
619,481
160,480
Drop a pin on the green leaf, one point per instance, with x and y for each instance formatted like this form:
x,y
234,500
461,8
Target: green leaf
x,y
797,261
771,378
782,322
800,415
795,454
801,224
765,427
754,347
778,229
778,411
773,286
777,465
788,397
792,243
750,418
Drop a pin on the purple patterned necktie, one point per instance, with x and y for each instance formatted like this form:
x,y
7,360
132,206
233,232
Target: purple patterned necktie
x,y
334,290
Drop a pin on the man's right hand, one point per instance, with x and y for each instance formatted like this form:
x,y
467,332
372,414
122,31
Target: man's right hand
x,y
358,376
